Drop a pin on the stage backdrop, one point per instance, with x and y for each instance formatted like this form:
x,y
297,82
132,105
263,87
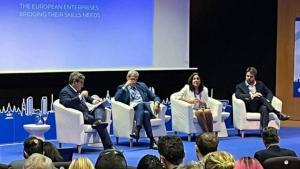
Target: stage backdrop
x,y
297,59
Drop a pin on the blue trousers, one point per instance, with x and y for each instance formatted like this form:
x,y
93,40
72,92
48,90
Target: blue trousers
x,y
142,117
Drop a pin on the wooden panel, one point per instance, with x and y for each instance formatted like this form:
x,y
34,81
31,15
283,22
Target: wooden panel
x,y
288,10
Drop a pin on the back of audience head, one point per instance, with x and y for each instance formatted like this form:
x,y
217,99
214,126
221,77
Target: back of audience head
x,y
149,162
270,136
38,161
171,150
33,145
81,163
51,151
111,159
247,163
219,160
206,142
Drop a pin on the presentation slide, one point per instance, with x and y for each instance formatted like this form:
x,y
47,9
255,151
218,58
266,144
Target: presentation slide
x,y
57,35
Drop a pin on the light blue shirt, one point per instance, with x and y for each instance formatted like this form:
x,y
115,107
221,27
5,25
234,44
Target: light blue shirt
x,y
135,96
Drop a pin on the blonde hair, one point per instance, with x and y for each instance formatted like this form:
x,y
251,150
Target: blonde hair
x,y
38,161
219,160
81,163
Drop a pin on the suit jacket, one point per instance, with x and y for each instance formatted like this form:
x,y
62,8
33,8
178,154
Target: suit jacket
x,y
123,95
69,98
273,151
242,91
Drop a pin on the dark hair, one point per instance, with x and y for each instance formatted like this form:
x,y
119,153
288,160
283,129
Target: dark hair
x,y
190,82
171,148
32,145
51,152
75,77
252,70
149,162
111,159
270,135
207,142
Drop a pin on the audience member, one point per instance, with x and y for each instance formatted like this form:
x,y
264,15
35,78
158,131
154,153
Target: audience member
x,y
72,96
38,161
219,160
111,159
197,94
51,152
81,163
247,163
31,145
171,151
257,97
149,162
271,140
138,95
205,143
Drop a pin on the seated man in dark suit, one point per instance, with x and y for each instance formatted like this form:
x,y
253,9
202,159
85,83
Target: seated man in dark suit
x,y
71,96
271,141
137,95
31,145
257,97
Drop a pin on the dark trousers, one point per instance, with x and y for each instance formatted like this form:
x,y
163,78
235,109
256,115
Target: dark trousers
x,y
100,114
260,104
142,117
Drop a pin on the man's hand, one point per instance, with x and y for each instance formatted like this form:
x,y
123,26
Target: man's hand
x,y
129,83
84,93
156,108
98,100
257,94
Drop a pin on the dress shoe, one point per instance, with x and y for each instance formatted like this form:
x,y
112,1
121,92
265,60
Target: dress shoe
x,y
153,145
100,124
135,135
283,117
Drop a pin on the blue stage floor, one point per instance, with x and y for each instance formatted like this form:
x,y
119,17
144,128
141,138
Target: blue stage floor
x,y
289,138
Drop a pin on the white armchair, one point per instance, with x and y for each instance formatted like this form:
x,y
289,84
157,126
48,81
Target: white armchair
x,y
70,127
123,116
184,119
243,120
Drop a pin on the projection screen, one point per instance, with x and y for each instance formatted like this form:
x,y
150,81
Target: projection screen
x,y
87,35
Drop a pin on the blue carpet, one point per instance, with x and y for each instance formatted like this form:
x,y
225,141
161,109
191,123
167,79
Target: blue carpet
x,y
289,138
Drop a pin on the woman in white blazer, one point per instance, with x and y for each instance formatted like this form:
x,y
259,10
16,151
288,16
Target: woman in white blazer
x,y
197,94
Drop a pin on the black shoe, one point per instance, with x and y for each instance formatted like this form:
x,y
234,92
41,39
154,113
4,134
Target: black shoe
x,y
135,135
100,124
153,145
283,117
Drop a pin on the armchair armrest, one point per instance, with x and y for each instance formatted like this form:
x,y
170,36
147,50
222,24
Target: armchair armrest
x,y
239,111
68,122
216,108
277,104
122,115
182,115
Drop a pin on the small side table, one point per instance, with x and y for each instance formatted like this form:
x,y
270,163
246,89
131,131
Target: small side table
x,y
36,130
223,130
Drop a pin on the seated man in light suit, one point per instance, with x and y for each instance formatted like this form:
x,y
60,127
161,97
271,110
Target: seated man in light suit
x,y
137,95
71,96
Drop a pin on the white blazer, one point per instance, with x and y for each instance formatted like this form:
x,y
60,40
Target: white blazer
x,y
186,93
